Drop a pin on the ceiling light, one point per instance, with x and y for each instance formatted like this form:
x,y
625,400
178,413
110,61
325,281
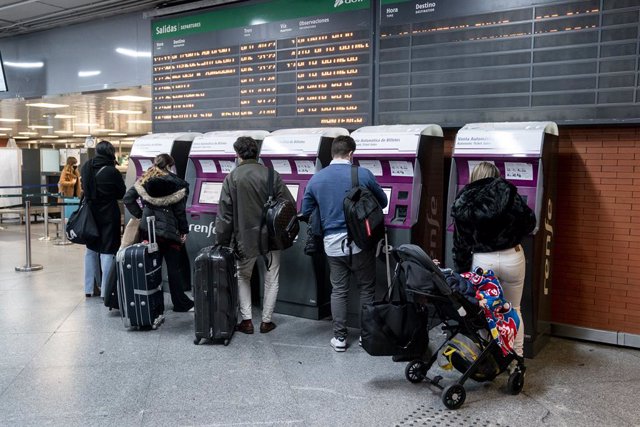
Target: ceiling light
x,y
20,137
38,64
131,98
50,136
125,112
141,122
89,73
104,130
47,105
40,127
6,128
75,135
28,133
86,125
117,134
10,120
64,116
65,132
3,134
133,53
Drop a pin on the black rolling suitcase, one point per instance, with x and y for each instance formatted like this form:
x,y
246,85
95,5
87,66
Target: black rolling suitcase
x,y
140,282
111,292
215,294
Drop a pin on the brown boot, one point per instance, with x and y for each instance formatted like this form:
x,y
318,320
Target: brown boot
x,y
246,327
267,327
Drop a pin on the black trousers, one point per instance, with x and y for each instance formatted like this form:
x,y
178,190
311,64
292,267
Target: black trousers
x,y
170,251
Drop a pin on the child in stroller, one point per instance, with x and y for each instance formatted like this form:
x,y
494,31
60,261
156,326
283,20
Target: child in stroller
x,y
474,346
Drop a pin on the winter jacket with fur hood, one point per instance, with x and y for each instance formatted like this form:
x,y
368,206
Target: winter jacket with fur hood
x,y
489,215
164,197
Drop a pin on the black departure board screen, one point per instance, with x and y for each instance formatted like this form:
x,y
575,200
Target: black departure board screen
x,y
264,65
460,61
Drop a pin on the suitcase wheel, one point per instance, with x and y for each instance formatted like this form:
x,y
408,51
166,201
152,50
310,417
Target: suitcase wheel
x,y
196,341
226,342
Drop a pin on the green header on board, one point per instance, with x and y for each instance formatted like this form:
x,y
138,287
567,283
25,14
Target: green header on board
x,y
247,15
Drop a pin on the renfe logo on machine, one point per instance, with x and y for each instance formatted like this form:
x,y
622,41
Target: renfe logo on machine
x,y
204,229
434,224
548,234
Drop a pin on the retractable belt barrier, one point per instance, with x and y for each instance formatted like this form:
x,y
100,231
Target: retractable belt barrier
x,y
28,266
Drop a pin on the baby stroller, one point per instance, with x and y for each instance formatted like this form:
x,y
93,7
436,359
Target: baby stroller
x,y
460,319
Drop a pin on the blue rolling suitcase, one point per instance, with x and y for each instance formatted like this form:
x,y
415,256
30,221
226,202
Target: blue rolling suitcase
x,y
140,282
215,294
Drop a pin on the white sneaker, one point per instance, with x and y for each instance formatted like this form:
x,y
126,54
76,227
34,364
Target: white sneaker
x,y
360,341
339,343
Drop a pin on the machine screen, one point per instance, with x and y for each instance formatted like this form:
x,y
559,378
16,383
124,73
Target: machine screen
x,y
293,189
210,192
387,191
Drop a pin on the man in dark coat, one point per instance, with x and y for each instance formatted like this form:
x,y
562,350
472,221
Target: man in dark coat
x,y
103,186
239,224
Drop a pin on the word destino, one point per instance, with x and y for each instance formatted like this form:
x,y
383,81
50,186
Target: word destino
x,y
167,28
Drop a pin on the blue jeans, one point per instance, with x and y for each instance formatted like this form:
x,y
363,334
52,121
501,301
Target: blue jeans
x,y
97,268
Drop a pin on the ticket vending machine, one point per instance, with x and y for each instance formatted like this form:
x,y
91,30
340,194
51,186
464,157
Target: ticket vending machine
x,y
296,154
146,147
407,161
143,151
526,155
211,158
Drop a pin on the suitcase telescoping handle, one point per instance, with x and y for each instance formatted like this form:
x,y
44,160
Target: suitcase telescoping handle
x,y
151,228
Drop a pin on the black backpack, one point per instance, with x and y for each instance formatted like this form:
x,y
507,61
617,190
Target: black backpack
x,y
280,216
363,214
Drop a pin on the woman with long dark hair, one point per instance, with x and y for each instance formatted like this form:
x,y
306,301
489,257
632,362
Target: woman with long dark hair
x,y
103,186
164,195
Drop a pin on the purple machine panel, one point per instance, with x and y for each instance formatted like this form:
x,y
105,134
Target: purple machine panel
x,y
211,158
407,162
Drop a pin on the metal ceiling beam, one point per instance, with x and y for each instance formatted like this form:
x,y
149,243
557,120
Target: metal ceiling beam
x,y
187,7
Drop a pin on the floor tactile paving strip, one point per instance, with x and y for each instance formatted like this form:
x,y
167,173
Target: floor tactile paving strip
x,y
440,417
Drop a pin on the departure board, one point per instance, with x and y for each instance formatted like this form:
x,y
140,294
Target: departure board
x,y
459,61
264,65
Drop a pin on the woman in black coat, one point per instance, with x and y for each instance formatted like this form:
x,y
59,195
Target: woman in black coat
x,y
102,186
164,196
491,219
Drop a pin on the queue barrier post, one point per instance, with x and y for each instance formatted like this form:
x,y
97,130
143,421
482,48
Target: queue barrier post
x,y
28,266
63,216
45,199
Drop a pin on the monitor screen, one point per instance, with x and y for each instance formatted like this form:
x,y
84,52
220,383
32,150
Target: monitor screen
x,y
210,193
3,79
387,191
293,189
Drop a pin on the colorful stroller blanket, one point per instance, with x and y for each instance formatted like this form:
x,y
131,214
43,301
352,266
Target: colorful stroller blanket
x,y
502,319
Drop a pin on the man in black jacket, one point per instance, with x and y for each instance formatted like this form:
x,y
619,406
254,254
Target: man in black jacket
x,y
239,225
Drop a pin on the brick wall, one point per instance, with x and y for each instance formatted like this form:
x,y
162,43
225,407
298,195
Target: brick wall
x,y
596,275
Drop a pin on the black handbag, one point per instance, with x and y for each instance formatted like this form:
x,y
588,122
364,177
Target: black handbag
x,y
81,227
394,327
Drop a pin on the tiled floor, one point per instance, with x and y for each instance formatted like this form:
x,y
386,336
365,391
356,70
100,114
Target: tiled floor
x,y
68,361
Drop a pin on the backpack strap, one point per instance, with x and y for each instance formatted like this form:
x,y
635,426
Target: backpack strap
x,y
354,183
263,222
354,176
